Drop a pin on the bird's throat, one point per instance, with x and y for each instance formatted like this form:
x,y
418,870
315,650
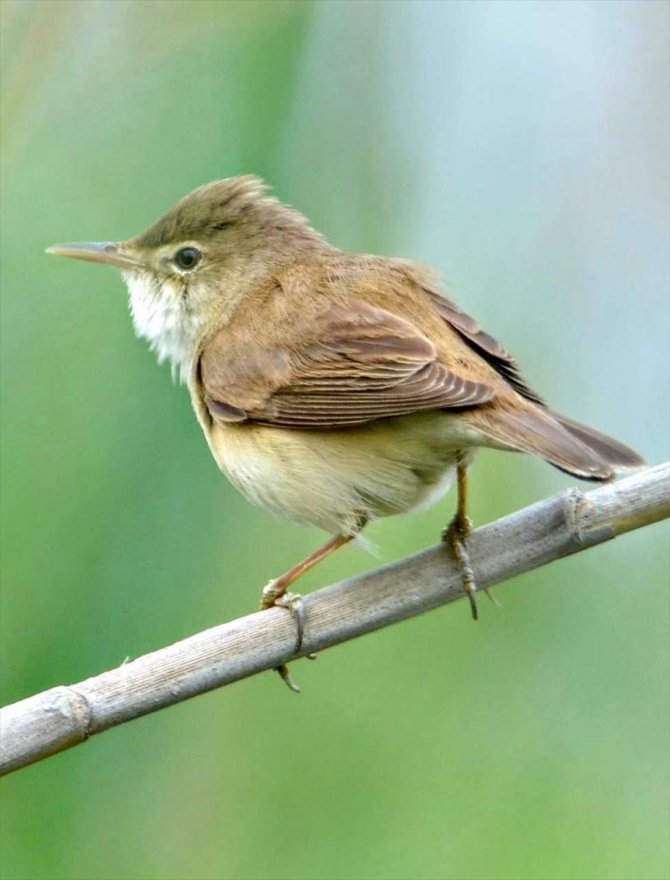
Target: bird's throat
x,y
161,314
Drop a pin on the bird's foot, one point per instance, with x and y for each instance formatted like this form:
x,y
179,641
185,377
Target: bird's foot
x,y
294,604
456,537
275,595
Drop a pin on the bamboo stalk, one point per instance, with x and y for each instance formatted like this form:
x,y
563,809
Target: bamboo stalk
x,y
567,523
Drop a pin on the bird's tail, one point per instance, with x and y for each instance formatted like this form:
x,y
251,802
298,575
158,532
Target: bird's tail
x,y
568,445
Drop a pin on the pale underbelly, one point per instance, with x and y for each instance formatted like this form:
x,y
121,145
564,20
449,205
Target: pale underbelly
x,y
336,480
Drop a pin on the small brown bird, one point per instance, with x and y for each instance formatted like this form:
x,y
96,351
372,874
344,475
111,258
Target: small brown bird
x,y
333,388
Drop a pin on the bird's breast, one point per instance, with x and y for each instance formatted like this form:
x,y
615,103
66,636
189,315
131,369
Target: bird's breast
x,y
333,479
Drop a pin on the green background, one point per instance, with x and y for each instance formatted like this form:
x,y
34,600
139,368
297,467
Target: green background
x,y
522,148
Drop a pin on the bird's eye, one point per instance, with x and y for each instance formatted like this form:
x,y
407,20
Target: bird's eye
x,y
187,258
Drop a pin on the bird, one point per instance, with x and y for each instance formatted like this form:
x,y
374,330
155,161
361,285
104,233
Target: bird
x,y
333,388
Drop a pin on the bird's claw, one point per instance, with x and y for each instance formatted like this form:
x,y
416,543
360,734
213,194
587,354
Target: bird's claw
x,y
455,536
285,675
293,603
271,592
274,595
459,529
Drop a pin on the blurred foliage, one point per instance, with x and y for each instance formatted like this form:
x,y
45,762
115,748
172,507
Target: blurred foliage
x,y
523,149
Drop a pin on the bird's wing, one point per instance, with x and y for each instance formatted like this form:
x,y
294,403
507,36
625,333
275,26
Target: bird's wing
x,y
346,365
483,343
532,427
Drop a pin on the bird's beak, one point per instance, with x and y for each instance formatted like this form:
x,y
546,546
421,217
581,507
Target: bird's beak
x,y
96,252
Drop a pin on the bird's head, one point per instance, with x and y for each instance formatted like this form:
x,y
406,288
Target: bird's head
x,y
188,272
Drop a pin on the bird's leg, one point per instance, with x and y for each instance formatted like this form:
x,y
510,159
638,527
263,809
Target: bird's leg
x,y
456,536
276,593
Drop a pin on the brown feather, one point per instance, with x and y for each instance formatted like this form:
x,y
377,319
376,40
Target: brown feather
x,y
363,347
538,431
484,344
610,450
355,364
